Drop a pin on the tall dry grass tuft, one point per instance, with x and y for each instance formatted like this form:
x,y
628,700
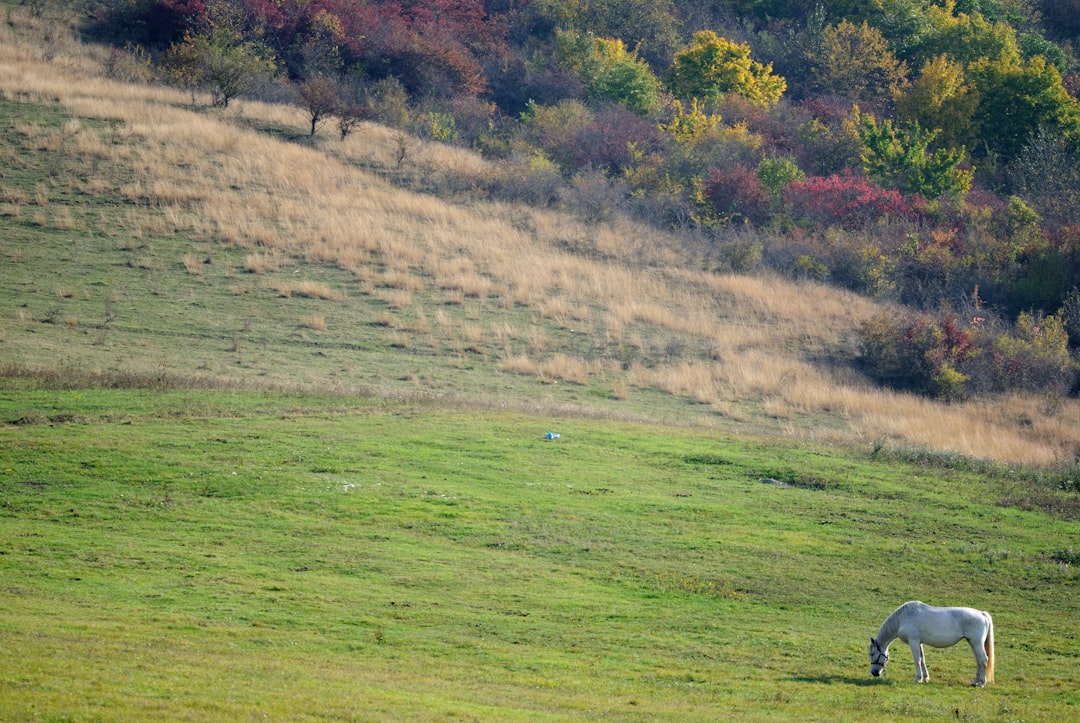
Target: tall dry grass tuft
x,y
563,367
315,322
193,263
263,262
308,289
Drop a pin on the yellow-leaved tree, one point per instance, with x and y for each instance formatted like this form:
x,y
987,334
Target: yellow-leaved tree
x,y
712,67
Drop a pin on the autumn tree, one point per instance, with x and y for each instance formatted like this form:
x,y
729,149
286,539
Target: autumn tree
x,y
433,47
1061,18
228,67
349,114
941,99
855,61
649,26
964,37
712,66
846,200
735,195
918,353
688,125
831,145
318,47
320,98
220,56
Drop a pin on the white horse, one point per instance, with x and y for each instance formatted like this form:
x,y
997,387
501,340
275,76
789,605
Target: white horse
x,y
916,623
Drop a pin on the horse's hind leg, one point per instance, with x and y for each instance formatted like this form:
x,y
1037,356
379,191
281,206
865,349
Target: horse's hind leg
x,y
980,663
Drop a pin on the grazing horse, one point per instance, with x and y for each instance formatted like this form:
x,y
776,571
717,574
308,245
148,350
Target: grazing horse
x,y
916,623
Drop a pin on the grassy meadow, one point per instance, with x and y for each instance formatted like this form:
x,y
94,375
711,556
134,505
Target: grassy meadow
x,y
272,445
211,555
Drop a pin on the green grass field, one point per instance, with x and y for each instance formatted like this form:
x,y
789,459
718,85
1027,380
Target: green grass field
x,y
208,555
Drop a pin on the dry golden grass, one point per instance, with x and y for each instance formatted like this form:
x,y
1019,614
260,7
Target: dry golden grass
x,y
315,322
307,289
562,367
396,298
518,364
732,342
262,262
193,263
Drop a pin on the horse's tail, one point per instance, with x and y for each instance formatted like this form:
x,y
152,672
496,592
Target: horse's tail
x,y
988,646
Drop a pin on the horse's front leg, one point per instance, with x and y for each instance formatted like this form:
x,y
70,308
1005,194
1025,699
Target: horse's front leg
x,y
921,673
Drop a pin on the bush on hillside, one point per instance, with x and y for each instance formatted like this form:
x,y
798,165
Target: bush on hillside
x,y
951,359
736,195
847,201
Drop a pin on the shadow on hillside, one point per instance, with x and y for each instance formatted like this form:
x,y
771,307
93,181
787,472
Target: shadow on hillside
x,y
290,134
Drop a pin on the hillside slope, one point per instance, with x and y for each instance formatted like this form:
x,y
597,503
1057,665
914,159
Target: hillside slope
x,y
148,239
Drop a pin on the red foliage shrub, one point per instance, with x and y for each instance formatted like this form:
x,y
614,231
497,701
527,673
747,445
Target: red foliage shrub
x,y
848,201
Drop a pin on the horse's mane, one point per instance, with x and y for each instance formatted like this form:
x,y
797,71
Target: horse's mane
x,y
887,632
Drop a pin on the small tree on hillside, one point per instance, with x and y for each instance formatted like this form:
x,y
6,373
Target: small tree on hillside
x,y
349,115
711,67
218,62
320,98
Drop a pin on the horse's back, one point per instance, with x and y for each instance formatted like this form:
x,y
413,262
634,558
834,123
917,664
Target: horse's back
x,y
942,627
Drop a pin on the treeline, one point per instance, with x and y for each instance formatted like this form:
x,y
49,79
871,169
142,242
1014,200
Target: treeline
x,y
925,152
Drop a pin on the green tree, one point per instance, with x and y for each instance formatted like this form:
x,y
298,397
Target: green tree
x,y
902,22
651,26
775,173
220,55
1017,99
232,68
217,61
901,158
611,73
712,66
856,61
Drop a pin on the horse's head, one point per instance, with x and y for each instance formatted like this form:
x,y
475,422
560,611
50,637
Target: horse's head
x,y
878,658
